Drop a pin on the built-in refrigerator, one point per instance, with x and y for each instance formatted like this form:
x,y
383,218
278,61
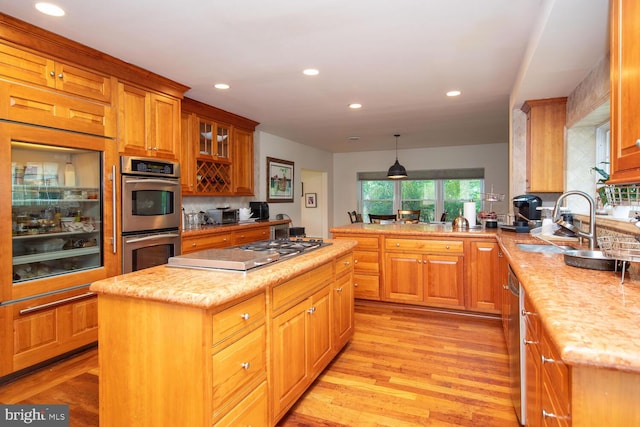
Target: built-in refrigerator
x,y
56,237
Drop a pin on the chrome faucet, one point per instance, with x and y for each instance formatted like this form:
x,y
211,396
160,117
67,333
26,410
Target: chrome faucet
x,y
591,236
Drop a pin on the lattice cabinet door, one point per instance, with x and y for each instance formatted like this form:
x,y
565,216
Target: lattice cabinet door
x,y
213,177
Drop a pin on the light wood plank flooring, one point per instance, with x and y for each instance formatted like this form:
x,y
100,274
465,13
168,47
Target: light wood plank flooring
x,y
402,368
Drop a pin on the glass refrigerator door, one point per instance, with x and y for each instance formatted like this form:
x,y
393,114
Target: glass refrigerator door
x,y
56,210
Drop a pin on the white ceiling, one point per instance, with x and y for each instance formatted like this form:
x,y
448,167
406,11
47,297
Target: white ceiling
x,y
396,57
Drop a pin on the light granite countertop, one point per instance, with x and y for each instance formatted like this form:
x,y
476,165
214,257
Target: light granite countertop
x,y
591,318
208,289
418,230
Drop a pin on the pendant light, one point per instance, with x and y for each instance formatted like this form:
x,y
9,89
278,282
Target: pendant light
x,y
397,171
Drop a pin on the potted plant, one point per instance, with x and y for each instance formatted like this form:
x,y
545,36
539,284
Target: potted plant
x,y
602,182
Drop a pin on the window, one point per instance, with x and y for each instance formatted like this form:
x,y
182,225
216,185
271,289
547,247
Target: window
x,y
433,192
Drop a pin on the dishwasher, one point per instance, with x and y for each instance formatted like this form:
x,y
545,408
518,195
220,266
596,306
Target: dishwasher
x,y
515,347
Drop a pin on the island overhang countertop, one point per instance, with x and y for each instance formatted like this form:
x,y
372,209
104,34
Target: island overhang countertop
x,y
208,289
420,229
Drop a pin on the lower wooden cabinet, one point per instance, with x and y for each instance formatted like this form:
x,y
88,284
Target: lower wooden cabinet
x,y
40,329
548,379
366,265
485,279
222,239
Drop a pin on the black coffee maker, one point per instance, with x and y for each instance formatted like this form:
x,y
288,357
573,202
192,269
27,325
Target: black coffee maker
x,y
526,205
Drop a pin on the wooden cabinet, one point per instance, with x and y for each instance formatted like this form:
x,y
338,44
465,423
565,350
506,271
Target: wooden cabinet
x,y
421,271
625,92
343,302
548,379
187,154
248,235
34,69
211,363
546,120
242,162
219,146
148,122
209,241
312,321
485,280
39,329
505,293
366,265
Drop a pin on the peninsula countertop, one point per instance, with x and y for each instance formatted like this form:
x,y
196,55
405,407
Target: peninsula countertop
x,y
420,229
591,317
208,289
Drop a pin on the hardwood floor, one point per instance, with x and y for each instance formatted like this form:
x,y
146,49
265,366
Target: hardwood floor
x,y
402,368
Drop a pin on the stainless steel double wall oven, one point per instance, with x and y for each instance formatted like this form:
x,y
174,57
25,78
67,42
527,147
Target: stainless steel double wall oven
x,y
151,214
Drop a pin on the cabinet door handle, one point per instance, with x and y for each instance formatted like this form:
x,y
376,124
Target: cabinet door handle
x,y
60,76
338,289
637,142
355,261
311,310
529,342
245,365
526,313
347,263
355,285
505,287
245,316
52,74
546,359
446,247
56,303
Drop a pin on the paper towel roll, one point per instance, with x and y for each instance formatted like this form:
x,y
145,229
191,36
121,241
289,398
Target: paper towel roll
x,y
470,213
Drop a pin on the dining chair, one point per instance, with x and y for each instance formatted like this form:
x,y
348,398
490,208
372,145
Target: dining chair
x,y
409,216
375,219
354,217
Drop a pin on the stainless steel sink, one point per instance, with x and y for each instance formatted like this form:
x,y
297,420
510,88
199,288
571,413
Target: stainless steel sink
x,y
542,248
592,260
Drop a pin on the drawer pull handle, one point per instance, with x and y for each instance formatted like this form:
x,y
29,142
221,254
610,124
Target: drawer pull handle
x,y
347,263
246,366
529,342
447,247
398,244
52,74
547,359
355,285
338,289
311,310
245,316
505,287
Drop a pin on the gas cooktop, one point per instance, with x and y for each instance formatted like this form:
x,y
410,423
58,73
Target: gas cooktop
x,y
246,257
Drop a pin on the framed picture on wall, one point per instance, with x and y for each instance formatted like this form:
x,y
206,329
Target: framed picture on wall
x,y
279,181
310,200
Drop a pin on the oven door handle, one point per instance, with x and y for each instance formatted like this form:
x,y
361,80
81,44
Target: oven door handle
x,y
154,237
152,180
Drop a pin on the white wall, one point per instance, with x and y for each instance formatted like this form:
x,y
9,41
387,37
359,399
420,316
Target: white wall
x,y
494,158
304,157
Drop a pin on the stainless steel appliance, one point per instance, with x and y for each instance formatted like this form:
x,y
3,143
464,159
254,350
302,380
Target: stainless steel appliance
x,y
279,231
150,194
515,347
223,216
259,210
151,214
246,257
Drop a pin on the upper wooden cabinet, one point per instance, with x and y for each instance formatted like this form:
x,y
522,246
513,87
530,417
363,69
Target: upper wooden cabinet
x,y
148,123
545,144
625,91
33,69
218,147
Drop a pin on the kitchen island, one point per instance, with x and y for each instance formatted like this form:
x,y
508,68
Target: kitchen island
x,y
202,347
590,321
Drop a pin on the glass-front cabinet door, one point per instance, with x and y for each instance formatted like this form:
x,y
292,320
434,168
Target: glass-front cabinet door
x,y
61,224
214,139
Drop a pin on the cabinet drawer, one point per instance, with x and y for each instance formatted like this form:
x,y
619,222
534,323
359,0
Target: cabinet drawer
x,y
233,319
344,264
553,367
366,262
363,242
295,290
440,246
238,366
366,286
199,243
531,319
252,235
252,411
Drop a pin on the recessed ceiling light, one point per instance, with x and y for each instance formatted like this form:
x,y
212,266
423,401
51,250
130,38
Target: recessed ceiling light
x,y
311,72
49,9
355,106
221,86
454,93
